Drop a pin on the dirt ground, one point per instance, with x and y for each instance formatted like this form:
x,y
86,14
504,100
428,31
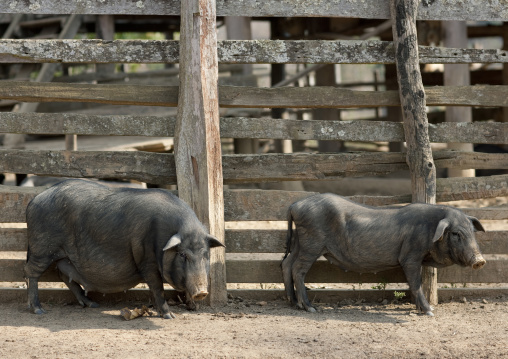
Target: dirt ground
x,y
243,329
461,328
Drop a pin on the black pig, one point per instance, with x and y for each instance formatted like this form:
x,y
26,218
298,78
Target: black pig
x,y
365,239
110,239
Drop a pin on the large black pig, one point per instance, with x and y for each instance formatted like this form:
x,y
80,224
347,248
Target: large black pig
x,y
108,240
365,239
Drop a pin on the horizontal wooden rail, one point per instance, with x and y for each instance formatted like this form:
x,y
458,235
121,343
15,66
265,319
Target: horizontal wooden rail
x,y
252,97
18,295
258,240
269,271
489,10
261,205
274,241
159,168
244,127
233,52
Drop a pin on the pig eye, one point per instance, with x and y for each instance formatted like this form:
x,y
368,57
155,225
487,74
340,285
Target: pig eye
x,y
183,255
456,234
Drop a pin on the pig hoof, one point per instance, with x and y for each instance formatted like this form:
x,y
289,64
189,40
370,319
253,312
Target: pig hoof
x,y
39,311
169,316
429,313
93,305
311,310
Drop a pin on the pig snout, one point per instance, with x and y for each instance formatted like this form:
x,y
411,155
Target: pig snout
x,y
200,295
478,261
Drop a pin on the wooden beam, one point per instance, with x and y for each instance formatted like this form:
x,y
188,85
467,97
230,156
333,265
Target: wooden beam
x,y
197,135
257,240
233,52
371,9
259,205
268,271
245,127
412,98
251,97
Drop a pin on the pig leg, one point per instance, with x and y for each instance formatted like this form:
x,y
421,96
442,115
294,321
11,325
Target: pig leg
x,y
33,269
68,273
156,286
414,279
287,269
300,268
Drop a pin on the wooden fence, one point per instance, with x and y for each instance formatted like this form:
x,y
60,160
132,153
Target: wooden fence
x,y
254,205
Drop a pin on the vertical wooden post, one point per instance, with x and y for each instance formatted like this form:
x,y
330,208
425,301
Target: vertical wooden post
x,y
412,98
455,35
197,136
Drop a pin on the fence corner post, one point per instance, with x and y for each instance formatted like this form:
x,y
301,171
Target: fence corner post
x,y
198,154
412,98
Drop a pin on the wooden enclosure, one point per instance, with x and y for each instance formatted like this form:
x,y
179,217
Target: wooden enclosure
x,y
238,169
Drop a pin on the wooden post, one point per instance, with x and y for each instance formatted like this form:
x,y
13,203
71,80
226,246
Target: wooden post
x,y
412,98
197,137
455,35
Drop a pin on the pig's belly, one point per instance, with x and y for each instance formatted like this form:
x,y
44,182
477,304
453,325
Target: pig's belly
x,y
105,278
361,265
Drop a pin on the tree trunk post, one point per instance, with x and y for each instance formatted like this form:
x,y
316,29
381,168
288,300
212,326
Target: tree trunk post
x,y
197,134
412,98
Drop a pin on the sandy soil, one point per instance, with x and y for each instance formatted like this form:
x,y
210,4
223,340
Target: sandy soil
x,y
243,329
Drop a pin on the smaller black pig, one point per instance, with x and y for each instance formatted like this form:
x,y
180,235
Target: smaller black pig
x,y
110,239
365,239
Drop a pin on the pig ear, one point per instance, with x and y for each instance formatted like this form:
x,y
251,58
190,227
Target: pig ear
x,y
441,227
214,242
476,224
173,243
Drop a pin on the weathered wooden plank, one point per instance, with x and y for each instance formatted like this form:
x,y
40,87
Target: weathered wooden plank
x,y
13,201
274,241
89,51
244,127
494,213
13,239
470,160
159,168
490,10
331,97
240,205
110,94
343,52
268,271
307,166
233,52
235,96
453,189
138,165
81,124
18,295
258,240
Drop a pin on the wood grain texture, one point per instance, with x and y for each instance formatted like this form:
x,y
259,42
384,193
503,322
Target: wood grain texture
x,y
414,115
252,97
490,10
234,52
268,271
244,127
197,133
260,205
